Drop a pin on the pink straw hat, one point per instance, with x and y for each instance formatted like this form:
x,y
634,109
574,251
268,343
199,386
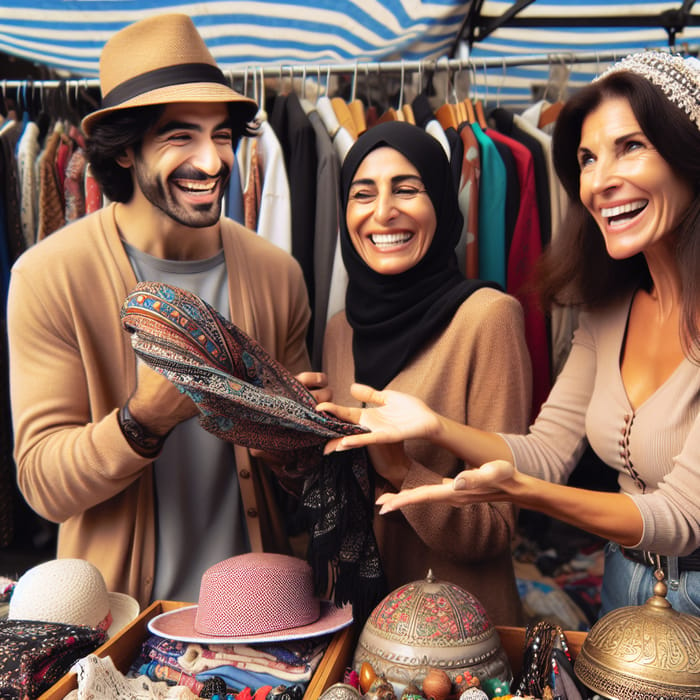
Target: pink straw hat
x,y
253,598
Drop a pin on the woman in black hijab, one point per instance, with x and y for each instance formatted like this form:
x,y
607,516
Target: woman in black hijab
x,y
413,323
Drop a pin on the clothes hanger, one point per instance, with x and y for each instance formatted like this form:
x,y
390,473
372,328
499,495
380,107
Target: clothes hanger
x,y
344,115
259,90
467,106
390,114
478,106
371,114
404,107
357,107
307,103
549,114
446,113
342,111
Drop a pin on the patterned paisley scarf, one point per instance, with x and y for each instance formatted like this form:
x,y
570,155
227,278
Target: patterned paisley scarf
x,y
247,398
34,655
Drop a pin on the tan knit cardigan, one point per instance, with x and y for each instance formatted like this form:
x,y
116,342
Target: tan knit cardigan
x,y
72,366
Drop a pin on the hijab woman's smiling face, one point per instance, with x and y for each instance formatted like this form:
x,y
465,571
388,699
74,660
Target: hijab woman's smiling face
x,y
390,217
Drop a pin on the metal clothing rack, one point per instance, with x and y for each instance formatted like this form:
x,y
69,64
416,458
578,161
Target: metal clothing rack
x,y
480,77
360,67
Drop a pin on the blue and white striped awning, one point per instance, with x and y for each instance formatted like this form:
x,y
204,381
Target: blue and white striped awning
x,y
69,34
578,49
513,64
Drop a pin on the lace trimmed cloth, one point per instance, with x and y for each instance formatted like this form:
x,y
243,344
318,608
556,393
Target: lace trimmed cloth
x,y
99,679
248,398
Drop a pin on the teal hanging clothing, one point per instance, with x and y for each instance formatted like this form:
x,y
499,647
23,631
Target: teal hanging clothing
x,y
492,213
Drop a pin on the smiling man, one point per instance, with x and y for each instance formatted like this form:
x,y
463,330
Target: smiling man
x,y
108,448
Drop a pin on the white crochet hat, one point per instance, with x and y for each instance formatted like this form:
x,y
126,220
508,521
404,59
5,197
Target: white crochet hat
x,y
71,591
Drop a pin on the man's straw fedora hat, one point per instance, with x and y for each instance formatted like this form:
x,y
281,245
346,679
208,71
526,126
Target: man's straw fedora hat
x,y
159,60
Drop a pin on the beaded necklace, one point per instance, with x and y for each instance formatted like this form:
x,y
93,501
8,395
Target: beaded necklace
x,y
540,665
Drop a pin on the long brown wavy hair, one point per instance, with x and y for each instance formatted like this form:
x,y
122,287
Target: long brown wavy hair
x,y
576,269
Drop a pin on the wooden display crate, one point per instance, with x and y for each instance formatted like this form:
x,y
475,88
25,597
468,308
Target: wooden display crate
x,y
125,645
513,641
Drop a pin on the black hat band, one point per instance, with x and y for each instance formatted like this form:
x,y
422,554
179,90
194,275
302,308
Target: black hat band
x,y
163,77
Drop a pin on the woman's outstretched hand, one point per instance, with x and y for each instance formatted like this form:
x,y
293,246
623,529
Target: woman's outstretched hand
x,y
396,417
487,483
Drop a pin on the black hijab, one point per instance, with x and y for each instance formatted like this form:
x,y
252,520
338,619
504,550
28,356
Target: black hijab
x,y
393,316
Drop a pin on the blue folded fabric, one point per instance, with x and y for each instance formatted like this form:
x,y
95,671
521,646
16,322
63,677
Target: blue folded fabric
x,y
237,679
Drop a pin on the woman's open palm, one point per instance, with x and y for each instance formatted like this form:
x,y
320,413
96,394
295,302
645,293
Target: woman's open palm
x,y
488,482
396,417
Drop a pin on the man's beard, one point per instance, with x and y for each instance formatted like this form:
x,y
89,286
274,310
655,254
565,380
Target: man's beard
x,y
160,195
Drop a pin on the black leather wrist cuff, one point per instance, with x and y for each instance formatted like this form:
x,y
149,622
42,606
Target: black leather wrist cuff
x,y
146,443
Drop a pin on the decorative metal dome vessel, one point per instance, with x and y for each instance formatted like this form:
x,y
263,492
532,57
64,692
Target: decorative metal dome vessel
x,y
430,624
643,652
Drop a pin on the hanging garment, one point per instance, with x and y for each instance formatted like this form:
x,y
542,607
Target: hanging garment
x,y
93,192
342,142
51,205
525,250
326,228
341,137
468,194
424,116
506,123
564,320
10,187
74,185
492,222
28,149
344,116
298,141
234,208
266,197
512,200
247,398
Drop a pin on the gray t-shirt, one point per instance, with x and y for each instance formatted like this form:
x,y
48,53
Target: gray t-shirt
x,y
199,518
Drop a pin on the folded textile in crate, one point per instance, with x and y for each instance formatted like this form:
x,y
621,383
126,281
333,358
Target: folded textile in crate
x,y
34,655
248,398
190,664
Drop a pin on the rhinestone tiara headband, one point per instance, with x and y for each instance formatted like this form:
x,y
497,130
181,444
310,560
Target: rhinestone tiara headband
x,y
678,77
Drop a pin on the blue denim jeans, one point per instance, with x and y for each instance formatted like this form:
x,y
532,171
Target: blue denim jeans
x,y
626,583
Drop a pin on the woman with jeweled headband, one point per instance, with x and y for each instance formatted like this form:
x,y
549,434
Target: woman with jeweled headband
x,y
627,149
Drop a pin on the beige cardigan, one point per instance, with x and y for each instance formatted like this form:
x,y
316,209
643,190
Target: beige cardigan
x,y
477,371
72,366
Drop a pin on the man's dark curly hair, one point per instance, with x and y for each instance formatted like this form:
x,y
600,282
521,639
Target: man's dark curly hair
x,y
125,128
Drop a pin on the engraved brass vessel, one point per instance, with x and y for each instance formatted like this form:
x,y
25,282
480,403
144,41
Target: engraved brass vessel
x,y
643,652
430,624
